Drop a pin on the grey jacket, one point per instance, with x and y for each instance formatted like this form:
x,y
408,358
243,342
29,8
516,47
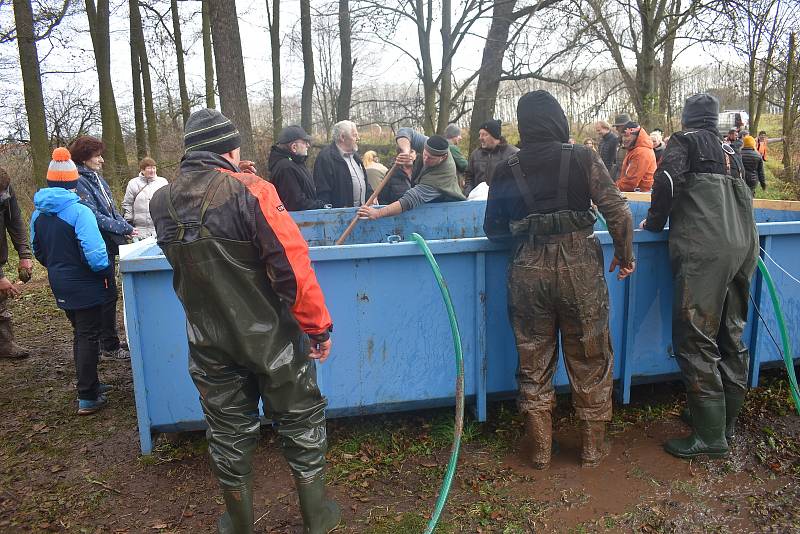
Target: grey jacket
x,y
482,164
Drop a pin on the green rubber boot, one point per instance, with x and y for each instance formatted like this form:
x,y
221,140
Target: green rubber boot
x,y
708,436
734,400
238,518
320,515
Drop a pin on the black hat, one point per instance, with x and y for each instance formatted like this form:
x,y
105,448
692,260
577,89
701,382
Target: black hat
x,y
631,125
622,119
436,145
494,127
292,133
701,111
210,130
541,118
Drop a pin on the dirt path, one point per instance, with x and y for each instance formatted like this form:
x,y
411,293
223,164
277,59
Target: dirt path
x,y
59,472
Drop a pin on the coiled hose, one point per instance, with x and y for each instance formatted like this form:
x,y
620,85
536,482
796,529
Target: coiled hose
x,y
458,427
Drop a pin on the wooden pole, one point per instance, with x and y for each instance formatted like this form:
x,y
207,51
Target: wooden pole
x,y
369,202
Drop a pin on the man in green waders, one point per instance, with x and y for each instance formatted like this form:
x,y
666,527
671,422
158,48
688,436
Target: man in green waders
x,y
256,318
713,248
542,199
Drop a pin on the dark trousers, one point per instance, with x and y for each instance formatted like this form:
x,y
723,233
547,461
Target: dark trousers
x,y
109,336
86,348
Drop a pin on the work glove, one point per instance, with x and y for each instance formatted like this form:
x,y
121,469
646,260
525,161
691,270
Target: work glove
x,y
25,270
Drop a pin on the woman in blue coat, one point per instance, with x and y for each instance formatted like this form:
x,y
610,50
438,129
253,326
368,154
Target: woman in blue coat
x,y
67,241
95,194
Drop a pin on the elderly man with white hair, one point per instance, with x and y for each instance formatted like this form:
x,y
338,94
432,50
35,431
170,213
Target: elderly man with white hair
x,y
339,174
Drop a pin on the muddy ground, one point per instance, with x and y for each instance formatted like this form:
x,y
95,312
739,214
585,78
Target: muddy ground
x,y
64,473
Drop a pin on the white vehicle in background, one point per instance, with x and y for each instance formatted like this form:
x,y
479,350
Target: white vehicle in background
x,y
733,119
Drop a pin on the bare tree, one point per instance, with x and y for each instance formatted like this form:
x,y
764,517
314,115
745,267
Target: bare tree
x,y
26,36
306,119
230,70
98,16
346,87
791,104
136,77
208,56
70,112
176,29
143,60
274,27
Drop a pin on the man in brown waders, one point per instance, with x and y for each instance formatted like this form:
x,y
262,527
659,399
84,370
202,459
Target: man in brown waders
x,y
542,200
256,318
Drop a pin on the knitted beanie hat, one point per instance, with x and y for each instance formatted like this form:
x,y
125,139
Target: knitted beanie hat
x,y
494,127
749,141
209,130
62,171
436,145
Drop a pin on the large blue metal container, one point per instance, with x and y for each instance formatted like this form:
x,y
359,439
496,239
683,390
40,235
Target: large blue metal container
x,y
392,348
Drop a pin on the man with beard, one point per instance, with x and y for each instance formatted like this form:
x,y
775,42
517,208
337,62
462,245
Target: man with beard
x,y
288,171
541,201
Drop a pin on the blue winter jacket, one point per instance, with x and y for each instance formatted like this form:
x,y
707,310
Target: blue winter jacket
x,y
67,241
94,192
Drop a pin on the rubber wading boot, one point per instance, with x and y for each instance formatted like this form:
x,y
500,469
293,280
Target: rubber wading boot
x,y
320,515
238,517
539,438
594,445
734,400
9,349
708,436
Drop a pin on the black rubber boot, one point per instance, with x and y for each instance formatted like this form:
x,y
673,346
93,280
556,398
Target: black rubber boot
x,y
734,400
685,416
708,436
9,349
238,518
539,438
320,515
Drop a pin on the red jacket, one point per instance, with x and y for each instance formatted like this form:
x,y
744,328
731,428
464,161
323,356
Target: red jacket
x,y
639,165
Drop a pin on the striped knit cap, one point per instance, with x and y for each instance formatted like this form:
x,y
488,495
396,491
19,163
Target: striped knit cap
x,y
62,171
210,130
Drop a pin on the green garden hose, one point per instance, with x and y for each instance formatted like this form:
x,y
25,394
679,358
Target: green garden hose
x,y
458,427
787,348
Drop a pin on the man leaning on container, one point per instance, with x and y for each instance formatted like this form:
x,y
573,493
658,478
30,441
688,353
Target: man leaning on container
x,y
256,318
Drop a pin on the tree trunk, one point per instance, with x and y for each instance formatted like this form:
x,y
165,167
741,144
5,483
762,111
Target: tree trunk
x,y
32,87
208,57
274,23
491,69
136,76
230,71
346,86
98,16
176,28
424,19
137,37
789,110
446,84
307,97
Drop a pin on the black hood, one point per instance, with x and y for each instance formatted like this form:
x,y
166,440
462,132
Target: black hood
x,y
279,154
541,119
701,112
200,159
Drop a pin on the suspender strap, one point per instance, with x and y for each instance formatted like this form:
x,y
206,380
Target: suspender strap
x,y
208,197
522,183
563,176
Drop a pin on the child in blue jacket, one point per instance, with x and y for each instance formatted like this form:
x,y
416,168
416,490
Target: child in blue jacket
x,y
67,240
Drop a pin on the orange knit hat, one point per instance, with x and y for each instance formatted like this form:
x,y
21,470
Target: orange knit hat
x,y
749,141
62,171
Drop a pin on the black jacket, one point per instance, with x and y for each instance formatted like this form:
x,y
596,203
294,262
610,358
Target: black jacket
x,y
293,181
753,168
399,183
608,149
11,221
332,178
693,151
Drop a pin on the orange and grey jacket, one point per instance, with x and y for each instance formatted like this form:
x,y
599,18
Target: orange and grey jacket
x,y
639,165
211,200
